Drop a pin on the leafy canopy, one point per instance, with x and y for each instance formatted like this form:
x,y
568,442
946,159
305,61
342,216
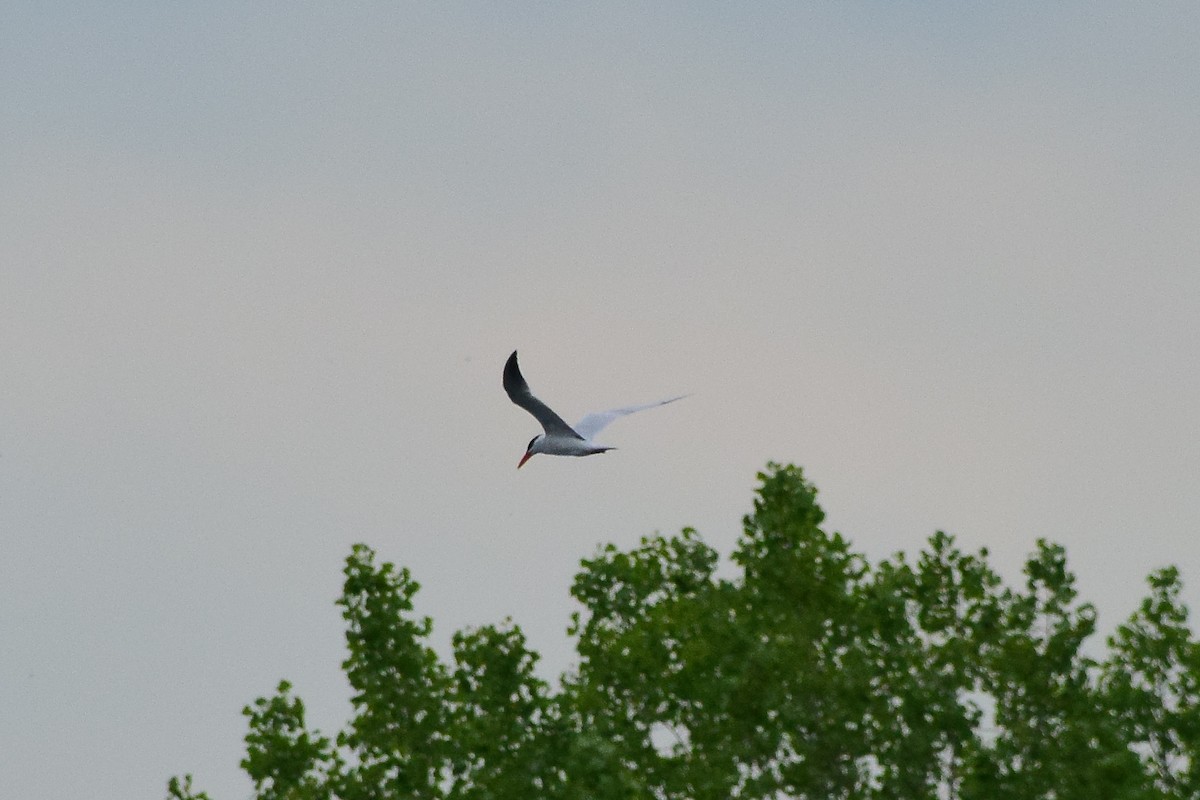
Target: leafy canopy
x,y
812,674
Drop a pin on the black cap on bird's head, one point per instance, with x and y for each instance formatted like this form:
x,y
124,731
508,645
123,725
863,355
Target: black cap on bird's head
x,y
528,451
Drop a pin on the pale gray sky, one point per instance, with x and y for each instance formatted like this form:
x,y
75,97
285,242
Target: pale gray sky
x,y
261,265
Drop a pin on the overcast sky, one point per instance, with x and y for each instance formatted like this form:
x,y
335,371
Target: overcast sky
x,y
261,265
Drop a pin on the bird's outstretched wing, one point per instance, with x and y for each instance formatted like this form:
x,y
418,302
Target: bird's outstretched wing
x,y
597,421
518,392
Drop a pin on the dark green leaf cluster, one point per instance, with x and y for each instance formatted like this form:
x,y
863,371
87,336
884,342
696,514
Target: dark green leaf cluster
x,y
810,674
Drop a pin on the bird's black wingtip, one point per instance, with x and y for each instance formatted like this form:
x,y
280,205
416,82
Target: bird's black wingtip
x,y
514,382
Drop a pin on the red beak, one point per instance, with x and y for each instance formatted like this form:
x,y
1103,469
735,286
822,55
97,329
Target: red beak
x,y
524,458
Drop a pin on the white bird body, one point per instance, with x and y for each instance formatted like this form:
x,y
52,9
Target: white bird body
x,y
561,439
564,446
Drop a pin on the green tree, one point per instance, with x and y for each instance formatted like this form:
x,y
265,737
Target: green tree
x,y
810,674
1151,682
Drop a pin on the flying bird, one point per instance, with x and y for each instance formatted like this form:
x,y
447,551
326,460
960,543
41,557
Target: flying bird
x,y
561,439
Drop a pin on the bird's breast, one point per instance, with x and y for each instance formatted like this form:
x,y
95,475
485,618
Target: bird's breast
x,y
568,446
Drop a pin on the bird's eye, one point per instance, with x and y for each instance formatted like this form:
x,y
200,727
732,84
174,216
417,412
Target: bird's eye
x,y
531,441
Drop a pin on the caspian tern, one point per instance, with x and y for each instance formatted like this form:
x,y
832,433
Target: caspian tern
x,y
560,439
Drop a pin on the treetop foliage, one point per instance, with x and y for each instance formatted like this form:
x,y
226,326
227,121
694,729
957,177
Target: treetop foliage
x,y
812,674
